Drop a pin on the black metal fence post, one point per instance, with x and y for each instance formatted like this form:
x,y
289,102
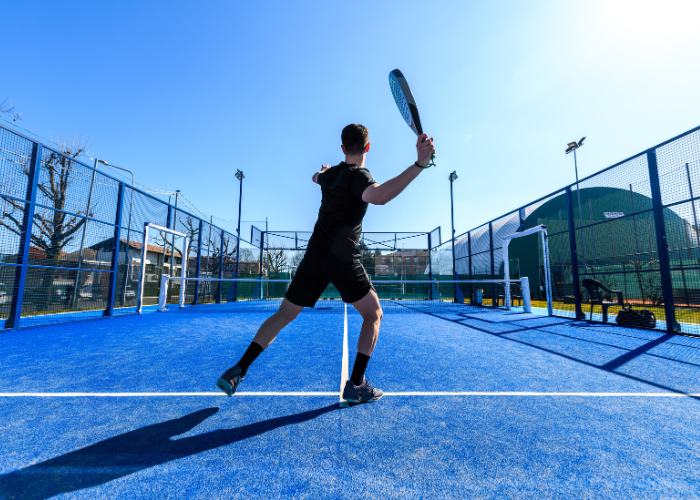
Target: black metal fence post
x,y
109,311
672,325
574,255
25,239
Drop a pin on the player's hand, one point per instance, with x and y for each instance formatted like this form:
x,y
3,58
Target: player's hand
x,y
323,169
425,149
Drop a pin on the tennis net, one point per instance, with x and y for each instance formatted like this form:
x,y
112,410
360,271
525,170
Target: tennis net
x,y
241,295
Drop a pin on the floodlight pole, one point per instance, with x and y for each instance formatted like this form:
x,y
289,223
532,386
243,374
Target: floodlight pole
x,y
578,192
128,228
453,177
240,177
573,147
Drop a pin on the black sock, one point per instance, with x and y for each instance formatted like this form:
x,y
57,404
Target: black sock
x,y
254,350
358,369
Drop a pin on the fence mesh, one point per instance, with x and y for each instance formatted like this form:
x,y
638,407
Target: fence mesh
x,y
71,242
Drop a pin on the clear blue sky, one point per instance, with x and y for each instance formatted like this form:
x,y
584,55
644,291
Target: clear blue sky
x,y
184,93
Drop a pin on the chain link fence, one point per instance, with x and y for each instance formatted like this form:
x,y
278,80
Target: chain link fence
x,y
632,228
71,241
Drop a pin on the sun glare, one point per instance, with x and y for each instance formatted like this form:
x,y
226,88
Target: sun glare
x,y
651,24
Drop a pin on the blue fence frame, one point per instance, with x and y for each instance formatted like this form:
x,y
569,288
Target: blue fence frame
x,y
662,271
667,235
22,256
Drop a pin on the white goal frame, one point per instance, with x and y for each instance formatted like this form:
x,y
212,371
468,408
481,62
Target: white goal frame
x,y
185,248
542,230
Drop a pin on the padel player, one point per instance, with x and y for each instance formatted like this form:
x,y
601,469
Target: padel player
x,y
333,256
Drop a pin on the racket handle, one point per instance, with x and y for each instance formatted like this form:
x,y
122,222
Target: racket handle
x,y
432,158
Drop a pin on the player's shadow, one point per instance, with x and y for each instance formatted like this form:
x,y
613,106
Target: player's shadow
x,y
586,352
132,452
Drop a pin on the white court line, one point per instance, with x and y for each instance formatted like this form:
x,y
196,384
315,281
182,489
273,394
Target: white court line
x,y
550,394
395,394
151,394
345,369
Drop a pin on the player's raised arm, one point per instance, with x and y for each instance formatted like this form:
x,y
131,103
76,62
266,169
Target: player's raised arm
x,y
323,169
380,194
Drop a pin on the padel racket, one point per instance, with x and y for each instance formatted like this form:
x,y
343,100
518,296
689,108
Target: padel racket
x,y
406,103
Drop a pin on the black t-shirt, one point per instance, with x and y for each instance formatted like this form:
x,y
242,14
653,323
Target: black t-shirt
x,y
339,225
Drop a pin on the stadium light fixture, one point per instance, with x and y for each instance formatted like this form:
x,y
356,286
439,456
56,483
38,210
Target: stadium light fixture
x,y
572,147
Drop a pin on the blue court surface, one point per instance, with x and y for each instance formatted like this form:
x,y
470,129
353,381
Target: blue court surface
x,y
481,404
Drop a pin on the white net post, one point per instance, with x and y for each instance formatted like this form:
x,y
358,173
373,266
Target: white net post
x,y
547,277
163,296
525,285
183,272
142,276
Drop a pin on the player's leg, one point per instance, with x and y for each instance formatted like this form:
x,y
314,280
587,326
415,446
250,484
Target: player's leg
x,y
371,313
356,288
287,312
304,290
358,388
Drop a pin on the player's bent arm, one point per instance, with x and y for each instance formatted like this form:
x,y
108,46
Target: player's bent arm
x,y
323,169
381,194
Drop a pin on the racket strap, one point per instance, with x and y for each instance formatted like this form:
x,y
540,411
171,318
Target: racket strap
x,y
421,166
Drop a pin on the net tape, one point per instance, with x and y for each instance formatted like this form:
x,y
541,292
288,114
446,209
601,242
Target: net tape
x,y
255,295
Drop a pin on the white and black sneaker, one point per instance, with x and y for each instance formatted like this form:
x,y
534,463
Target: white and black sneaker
x,y
229,381
364,393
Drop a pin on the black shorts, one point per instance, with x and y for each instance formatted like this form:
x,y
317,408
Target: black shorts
x,y
316,271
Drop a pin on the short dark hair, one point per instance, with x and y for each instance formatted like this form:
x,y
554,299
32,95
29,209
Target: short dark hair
x,y
355,138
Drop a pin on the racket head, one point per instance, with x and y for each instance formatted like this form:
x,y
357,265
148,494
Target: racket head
x,y
405,101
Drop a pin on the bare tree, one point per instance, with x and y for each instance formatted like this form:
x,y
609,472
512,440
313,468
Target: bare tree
x,y
247,255
248,262
7,109
297,257
165,241
229,248
211,240
276,261
191,229
52,229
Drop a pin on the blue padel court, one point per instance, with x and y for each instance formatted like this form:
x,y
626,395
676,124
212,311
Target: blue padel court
x,y
479,403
